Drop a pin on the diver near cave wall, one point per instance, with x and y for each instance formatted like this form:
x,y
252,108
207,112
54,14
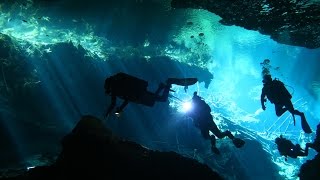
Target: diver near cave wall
x,y
133,89
287,148
202,119
276,93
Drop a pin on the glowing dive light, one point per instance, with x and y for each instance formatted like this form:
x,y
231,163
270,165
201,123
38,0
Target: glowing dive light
x,y
186,106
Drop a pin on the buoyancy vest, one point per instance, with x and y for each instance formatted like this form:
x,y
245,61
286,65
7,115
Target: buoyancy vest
x,y
276,92
126,86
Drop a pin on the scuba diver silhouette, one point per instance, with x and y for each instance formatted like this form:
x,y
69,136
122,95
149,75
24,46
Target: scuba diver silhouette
x,y
202,119
133,89
287,148
276,93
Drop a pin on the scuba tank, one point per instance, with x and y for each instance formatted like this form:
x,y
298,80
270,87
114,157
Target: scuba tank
x,y
282,90
126,86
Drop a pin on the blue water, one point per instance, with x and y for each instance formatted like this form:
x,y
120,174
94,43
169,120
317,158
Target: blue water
x,y
72,84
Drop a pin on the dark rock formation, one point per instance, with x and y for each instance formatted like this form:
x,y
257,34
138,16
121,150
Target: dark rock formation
x,y
310,169
90,151
288,22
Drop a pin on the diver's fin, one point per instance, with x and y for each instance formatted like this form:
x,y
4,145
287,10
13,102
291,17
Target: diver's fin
x,y
182,81
238,142
305,126
294,120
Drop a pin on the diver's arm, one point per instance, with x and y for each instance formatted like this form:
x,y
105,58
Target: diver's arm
x,y
112,105
263,100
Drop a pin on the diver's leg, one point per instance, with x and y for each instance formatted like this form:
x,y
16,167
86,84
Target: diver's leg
x,y
112,105
279,109
165,93
214,148
289,106
166,87
206,135
304,124
299,152
160,87
216,131
314,146
238,143
291,109
123,105
306,150
182,81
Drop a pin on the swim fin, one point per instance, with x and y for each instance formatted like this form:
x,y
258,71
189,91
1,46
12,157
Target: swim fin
x,y
238,142
305,126
182,81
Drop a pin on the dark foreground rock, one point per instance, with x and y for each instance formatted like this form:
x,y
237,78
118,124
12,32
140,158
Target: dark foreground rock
x,y
286,21
90,151
310,169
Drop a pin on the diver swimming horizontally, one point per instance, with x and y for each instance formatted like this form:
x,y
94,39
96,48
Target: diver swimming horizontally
x,y
287,148
276,93
202,119
133,89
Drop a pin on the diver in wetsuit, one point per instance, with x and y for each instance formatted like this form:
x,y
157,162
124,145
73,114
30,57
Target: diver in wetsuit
x,y
202,119
287,148
277,94
133,89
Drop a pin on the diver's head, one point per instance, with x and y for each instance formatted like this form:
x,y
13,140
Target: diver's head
x,y
278,140
266,78
195,93
195,96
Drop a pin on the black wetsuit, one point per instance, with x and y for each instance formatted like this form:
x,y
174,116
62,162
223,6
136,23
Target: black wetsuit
x,y
201,115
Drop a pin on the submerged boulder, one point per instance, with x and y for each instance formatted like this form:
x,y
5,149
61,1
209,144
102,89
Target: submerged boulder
x,y
91,151
310,169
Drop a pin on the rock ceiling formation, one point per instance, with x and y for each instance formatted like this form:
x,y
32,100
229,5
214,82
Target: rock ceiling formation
x,y
292,22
